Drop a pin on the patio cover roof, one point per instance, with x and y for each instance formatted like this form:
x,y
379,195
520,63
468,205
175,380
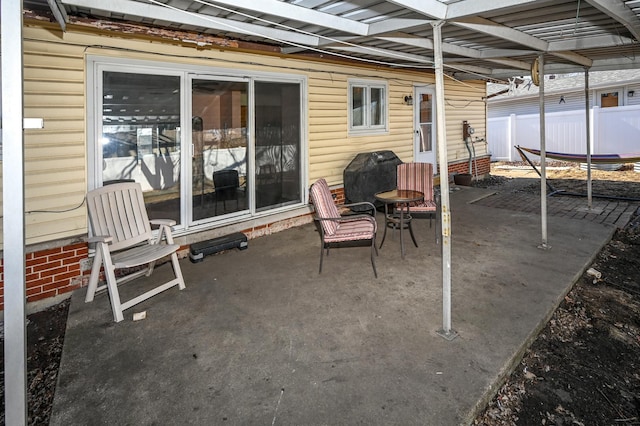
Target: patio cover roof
x,y
493,40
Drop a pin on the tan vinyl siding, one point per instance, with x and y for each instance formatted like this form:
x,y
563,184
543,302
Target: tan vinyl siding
x,y
464,101
54,75
55,159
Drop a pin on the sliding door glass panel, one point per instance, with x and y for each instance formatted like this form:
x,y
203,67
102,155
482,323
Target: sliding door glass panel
x,y
277,151
219,140
141,137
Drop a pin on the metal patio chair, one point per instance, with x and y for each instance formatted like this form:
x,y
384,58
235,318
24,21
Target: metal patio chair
x,y
419,177
336,229
124,239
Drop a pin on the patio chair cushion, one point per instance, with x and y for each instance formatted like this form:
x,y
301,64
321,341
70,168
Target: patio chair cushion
x,y
363,228
418,177
325,206
335,228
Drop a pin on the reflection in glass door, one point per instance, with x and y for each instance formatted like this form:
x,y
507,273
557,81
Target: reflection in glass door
x,y
140,137
277,144
219,148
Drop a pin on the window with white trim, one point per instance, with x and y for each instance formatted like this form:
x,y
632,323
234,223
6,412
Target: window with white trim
x,y
207,147
367,107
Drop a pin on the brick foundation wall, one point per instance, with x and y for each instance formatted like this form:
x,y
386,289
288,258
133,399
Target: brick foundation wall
x,y
483,165
52,272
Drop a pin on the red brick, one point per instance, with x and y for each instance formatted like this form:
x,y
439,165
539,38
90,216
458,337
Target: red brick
x,y
31,277
74,267
77,246
33,291
55,271
73,260
36,261
59,256
39,282
53,286
41,296
48,266
67,288
66,276
48,252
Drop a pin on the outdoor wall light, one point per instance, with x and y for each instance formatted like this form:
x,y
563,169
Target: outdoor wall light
x,y
408,100
630,93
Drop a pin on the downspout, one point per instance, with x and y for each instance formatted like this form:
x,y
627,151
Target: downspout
x,y
466,144
467,131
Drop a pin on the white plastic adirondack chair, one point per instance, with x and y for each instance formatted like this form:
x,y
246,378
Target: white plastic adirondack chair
x,y
124,239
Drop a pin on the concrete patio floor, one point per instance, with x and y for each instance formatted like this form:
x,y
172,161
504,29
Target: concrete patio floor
x,y
259,338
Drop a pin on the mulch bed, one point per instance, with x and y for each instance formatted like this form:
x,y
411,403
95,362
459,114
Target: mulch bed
x,y
584,366
45,336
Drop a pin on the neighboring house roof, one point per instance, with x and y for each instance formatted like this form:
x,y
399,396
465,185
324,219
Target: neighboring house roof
x,y
563,83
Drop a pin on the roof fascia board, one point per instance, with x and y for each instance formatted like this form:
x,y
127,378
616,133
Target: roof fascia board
x,y
432,8
187,18
467,8
619,11
298,13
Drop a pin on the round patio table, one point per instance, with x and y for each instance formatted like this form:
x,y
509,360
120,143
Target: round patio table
x,y
398,218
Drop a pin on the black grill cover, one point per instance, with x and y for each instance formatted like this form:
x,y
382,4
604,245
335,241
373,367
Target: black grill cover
x,y
368,173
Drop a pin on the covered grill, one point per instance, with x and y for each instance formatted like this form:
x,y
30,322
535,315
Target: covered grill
x,y
368,173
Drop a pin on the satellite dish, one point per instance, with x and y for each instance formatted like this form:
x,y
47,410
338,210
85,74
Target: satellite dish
x,y
535,73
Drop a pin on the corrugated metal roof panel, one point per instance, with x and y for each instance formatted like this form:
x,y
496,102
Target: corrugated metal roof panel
x,y
498,40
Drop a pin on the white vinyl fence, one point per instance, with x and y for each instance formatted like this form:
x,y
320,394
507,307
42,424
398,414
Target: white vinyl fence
x,y
613,131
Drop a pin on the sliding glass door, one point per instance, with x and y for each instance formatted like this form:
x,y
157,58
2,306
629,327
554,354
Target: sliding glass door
x,y
140,137
219,141
207,149
277,153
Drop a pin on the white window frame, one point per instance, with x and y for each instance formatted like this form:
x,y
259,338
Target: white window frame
x,y
97,64
367,128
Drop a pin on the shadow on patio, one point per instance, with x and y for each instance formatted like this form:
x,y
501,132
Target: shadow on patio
x,y
258,337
